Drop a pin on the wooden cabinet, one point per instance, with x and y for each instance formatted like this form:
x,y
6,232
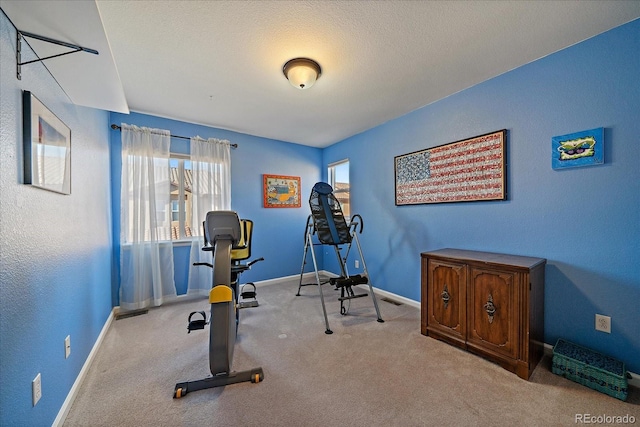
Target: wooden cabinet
x,y
490,304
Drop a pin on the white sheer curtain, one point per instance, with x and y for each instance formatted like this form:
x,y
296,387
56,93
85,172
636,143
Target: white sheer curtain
x,y
211,190
146,252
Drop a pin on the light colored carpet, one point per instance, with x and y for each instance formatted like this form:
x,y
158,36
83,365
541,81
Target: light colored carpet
x,y
365,374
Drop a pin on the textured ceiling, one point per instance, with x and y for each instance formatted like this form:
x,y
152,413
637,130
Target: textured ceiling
x,y
219,63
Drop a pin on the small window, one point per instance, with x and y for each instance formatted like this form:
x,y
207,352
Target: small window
x,y
339,180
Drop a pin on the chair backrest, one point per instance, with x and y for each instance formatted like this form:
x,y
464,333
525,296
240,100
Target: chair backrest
x,y
328,219
222,225
242,250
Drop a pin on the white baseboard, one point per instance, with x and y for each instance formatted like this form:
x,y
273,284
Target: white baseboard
x,y
324,273
382,293
307,275
276,280
635,378
394,297
66,406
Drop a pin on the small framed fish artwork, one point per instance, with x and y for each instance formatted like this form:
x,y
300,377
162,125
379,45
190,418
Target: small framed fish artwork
x,y
577,149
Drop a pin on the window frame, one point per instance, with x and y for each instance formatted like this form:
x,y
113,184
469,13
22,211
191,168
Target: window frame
x,y
182,207
331,177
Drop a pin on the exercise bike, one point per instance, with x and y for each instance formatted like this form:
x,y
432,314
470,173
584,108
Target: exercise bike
x,y
223,231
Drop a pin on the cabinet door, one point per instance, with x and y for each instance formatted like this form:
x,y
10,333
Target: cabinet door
x,y
492,308
447,298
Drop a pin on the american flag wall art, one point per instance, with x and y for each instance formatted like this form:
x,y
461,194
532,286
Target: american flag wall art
x,y
469,170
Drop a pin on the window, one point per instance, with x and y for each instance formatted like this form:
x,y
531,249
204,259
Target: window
x,y
339,180
165,195
181,196
180,181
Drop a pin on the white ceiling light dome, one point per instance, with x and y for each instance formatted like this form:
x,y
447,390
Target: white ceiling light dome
x,y
302,72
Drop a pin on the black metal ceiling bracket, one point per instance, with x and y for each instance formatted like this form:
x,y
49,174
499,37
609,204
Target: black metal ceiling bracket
x,y
22,34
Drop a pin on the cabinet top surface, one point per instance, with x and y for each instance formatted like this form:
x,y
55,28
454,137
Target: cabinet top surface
x,y
485,257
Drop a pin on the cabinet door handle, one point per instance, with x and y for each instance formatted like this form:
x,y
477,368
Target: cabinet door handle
x,y
445,296
490,308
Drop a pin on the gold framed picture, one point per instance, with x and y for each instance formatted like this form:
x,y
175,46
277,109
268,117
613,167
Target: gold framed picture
x,y
281,191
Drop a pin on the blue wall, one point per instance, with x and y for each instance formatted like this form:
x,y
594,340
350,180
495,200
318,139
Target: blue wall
x,y
585,221
55,249
278,233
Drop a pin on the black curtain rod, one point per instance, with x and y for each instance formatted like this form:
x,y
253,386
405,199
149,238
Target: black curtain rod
x,y
116,127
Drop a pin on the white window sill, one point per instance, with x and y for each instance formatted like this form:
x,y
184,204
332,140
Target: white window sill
x,y
183,242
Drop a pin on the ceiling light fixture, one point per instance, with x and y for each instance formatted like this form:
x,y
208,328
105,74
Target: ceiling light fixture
x,y
302,72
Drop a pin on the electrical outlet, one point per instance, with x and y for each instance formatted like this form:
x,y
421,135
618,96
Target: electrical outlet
x,y
357,264
67,346
603,323
36,389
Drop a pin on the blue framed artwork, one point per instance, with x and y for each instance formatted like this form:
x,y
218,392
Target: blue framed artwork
x,y
577,149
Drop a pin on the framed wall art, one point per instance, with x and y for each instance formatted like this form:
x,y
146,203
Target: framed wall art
x,y
280,191
584,148
473,169
47,147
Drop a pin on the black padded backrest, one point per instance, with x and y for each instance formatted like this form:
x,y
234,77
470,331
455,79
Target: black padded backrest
x,y
330,224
